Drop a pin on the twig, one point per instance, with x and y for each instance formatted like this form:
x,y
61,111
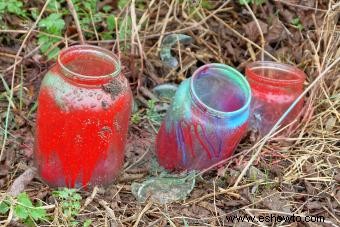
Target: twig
x,y
76,21
142,212
164,25
90,199
224,191
93,25
266,138
108,210
10,216
13,76
134,35
22,58
259,28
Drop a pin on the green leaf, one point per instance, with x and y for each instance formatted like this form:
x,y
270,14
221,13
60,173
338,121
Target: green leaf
x,y
76,196
106,35
29,222
90,4
2,6
107,8
12,7
206,4
53,23
54,5
98,17
4,207
53,53
243,2
295,21
34,13
38,214
111,23
24,199
15,7
125,28
256,2
122,4
74,223
87,223
21,212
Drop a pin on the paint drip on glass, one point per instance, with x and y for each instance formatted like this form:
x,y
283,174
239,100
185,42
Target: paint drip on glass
x,y
82,119
206,120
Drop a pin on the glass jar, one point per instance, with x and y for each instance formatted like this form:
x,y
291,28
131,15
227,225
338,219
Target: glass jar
x,y
206,120
84,108
275,86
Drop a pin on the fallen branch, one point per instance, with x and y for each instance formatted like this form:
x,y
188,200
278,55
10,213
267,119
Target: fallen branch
x,y
76,21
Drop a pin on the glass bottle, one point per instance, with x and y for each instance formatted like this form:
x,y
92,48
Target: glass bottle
x,y
275,86
84,107
206,120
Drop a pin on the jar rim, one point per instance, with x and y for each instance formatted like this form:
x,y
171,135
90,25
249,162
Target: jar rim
x,y
230,73
93,50
300,76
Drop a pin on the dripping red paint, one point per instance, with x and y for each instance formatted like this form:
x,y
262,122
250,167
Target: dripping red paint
x,y
81,130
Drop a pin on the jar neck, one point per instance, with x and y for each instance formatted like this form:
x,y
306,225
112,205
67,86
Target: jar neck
x,y
230,73
273,74
88,65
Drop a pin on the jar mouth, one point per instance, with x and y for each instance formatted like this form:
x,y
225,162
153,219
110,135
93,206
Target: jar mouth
x,y
220,90
88,63
275,73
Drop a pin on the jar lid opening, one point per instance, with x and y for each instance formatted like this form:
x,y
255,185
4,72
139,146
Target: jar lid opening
x,y
275,73
88,63
220,90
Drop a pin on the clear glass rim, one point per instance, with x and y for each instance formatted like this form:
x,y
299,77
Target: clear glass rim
x,y
276,66
231,72
94,50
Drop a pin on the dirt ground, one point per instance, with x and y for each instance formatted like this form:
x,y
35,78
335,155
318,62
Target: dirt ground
x,y
296,172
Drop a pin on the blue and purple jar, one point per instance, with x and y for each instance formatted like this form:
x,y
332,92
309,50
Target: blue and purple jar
x,y
206,120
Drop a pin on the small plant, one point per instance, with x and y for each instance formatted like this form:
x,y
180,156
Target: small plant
x,y
151,112
12,7
256,2
54,25
24,209
136,118
297,23
69,203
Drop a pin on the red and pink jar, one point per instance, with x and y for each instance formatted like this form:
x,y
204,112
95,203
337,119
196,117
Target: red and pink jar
x,y
275,86
84,107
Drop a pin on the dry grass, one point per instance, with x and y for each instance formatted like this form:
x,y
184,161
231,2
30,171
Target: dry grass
x,y
299,170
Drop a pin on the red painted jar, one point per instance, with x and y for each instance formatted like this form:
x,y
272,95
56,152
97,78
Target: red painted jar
x,y
82,120
275,86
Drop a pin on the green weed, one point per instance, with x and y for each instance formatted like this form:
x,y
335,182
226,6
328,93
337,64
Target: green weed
x,y
54,25
256,2
297,23
12,7
70,204
152,114
136,118
24,209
